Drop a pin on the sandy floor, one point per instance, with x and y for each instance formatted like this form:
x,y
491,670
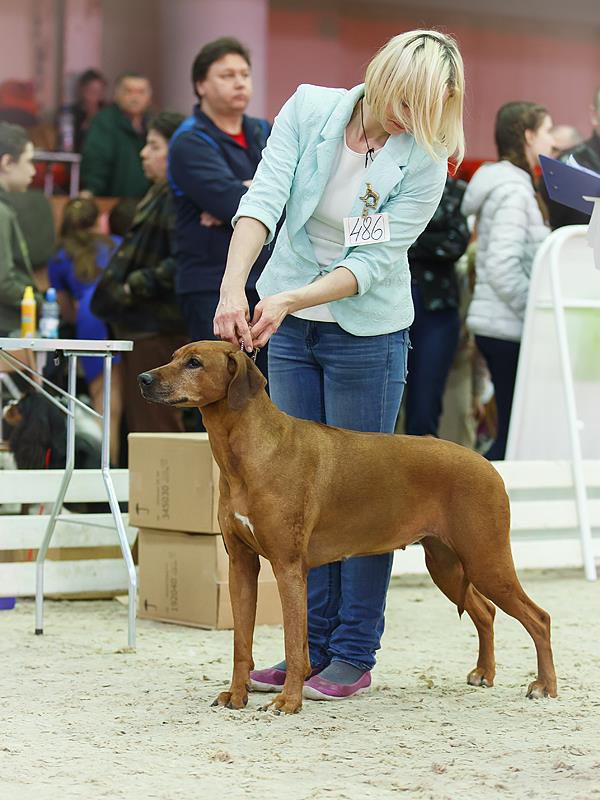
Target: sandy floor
x,y
81,720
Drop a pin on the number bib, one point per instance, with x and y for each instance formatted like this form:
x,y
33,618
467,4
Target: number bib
x,y
372,229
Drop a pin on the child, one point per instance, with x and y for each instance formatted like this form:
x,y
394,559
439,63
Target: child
x,y
16,173
74,271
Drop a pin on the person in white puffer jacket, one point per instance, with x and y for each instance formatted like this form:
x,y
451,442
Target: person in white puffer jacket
x,y
510,228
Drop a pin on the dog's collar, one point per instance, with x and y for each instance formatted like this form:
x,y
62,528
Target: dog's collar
x,y
251,355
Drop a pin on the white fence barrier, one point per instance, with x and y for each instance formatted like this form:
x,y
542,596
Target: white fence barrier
x,y
544,520
82,558
544,527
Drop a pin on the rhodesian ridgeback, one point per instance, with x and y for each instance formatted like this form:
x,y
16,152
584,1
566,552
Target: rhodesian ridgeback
x,y
303,494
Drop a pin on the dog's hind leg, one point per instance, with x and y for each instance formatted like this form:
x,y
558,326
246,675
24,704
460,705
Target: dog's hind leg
x,y
244,567
491,570
448,575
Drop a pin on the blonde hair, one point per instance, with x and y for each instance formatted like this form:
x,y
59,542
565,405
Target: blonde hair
x,y
418,77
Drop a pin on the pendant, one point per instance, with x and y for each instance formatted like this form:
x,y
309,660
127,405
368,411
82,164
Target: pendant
x,y
369,199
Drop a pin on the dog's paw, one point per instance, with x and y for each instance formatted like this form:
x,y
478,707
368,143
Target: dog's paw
x,y
283,704
480,677
539,689
230,700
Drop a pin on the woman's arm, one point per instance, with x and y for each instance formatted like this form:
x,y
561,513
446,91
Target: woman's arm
x,y
270,189
506,251
270,312
232,314
255,223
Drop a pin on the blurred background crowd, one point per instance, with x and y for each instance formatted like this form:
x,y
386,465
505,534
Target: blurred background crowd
x,y
127,214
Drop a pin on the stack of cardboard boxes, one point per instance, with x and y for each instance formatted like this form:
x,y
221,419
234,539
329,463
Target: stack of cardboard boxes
x,y
173,499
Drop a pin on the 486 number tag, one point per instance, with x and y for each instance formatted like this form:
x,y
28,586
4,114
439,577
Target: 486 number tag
x,y
372,229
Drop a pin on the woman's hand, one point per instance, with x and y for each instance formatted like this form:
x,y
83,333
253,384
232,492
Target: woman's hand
x,y
208,220
231,320
268,316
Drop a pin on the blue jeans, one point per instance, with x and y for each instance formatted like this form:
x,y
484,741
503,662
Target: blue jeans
x,y
434,338
318,371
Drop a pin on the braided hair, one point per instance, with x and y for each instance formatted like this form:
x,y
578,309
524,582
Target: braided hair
x,y
512,120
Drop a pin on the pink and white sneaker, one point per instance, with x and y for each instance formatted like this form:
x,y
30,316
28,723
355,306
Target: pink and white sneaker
x,y
317,688
271,679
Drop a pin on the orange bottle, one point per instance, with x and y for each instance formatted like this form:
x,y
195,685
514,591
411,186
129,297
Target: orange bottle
x,y
28,314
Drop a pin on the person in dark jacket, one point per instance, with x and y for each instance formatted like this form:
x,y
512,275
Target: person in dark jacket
x,y
436,327
586,154
16,173
111,165
74,120
136,294
212,160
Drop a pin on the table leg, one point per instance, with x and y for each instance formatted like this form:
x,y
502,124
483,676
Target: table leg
x,y
114,504
58,504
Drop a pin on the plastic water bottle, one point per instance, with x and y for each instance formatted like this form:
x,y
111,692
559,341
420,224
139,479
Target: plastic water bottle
x,y
50,318
28,312
66,126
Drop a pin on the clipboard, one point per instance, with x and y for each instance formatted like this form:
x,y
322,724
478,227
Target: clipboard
x,y
569,185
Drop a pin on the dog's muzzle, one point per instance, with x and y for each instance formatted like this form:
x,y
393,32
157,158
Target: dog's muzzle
x,y
145,379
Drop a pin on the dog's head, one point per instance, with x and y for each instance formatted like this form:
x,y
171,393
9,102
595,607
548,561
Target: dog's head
x,y
13,414
38,429
202,373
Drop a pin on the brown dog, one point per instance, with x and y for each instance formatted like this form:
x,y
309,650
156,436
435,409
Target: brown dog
x,y
303,494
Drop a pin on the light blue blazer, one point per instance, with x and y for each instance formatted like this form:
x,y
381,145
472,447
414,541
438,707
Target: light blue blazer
x,y
293,173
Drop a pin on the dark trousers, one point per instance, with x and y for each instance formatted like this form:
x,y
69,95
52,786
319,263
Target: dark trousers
x,y
502,359
434,339
141,415
198,309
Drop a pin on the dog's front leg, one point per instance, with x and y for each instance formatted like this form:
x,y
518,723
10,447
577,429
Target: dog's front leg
x,y
244,567
291,582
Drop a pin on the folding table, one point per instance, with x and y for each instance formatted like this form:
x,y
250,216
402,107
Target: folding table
x,y
72,349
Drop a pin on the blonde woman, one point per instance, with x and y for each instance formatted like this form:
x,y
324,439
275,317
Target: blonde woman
x,y
359,173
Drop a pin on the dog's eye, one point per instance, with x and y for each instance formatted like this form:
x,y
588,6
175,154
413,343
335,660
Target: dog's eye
x,y
193,363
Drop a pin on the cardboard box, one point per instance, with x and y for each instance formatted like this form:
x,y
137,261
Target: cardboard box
x,y
184,578
173,482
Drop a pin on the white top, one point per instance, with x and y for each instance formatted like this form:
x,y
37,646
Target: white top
x,y
325,228
88,346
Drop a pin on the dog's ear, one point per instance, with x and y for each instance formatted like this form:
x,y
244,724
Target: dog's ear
x,y
246,382
30,440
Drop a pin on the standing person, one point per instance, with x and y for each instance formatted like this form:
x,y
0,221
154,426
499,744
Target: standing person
x,y
566,137
74,271
136,292
212,160
340,312
586,154
74,120
510,228
436,327
16,173
111,164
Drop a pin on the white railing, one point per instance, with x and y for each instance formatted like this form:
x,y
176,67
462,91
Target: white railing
x,y
73,160
544,516
84,557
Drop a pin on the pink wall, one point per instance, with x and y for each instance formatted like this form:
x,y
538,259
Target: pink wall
x,y
558,70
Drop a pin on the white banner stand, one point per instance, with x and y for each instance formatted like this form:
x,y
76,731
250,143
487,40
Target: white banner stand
x,y
558,379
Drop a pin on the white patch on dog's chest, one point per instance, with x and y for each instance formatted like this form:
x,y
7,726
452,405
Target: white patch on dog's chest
x,y
245,521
